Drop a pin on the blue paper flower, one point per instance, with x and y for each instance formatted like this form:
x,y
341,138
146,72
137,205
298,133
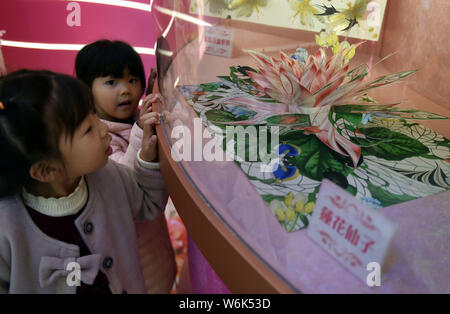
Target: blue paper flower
x,y
366,118
301,55
286,171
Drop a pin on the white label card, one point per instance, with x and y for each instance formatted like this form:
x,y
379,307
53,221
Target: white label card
x,y
219,41
348,230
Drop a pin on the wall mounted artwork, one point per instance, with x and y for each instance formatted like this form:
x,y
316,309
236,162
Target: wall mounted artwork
x,y
353,18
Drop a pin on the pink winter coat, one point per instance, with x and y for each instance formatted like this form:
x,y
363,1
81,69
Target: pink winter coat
x,y
155,249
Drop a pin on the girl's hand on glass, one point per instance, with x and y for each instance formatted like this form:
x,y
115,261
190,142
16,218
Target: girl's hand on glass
x,y
147,107
149,149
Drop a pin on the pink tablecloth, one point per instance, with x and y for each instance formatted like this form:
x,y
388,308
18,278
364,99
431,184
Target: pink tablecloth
x,y
417,263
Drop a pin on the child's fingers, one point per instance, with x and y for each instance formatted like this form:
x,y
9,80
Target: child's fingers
x,y
148,101
147,128
153,97
166,115
149,147
150,116
151,124
149,135
146,106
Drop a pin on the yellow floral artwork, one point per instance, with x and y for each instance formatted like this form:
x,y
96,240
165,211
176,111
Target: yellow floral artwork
x,y
350,18
246,7
305,10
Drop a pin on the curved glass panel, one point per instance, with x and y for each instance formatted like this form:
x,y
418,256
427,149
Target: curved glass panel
x,y
265,99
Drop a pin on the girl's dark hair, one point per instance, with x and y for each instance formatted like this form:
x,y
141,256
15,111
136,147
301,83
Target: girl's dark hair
x,y
105,57
37,108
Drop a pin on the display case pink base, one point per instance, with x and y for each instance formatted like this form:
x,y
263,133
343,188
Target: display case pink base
x,y
203,279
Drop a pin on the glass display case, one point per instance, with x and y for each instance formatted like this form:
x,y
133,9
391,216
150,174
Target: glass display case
x,y
264,100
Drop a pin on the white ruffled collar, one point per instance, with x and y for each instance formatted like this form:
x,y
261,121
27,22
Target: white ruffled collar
x,y
59,207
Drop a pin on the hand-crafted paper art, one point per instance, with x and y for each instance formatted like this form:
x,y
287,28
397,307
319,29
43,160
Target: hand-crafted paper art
x,y
327,127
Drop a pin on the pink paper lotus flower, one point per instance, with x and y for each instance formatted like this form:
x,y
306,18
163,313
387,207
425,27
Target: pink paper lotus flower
x,y
316,87
290,81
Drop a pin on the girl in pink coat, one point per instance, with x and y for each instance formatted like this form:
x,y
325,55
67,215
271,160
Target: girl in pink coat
x,y
114,72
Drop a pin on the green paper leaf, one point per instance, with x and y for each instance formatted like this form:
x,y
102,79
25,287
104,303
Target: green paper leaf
x,y
312,197
387,198
444,143
315,157
353,118
431,157
389,145
304,219
387,79
352,190
364,108
210,87
366,98
358,73
289,119
269,197
389,111
213,97
241,79
223,116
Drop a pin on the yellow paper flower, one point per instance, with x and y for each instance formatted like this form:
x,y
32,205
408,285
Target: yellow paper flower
x,y
326,39
290,214
309,207
280,214
345,49
330,40
288,199
299,207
